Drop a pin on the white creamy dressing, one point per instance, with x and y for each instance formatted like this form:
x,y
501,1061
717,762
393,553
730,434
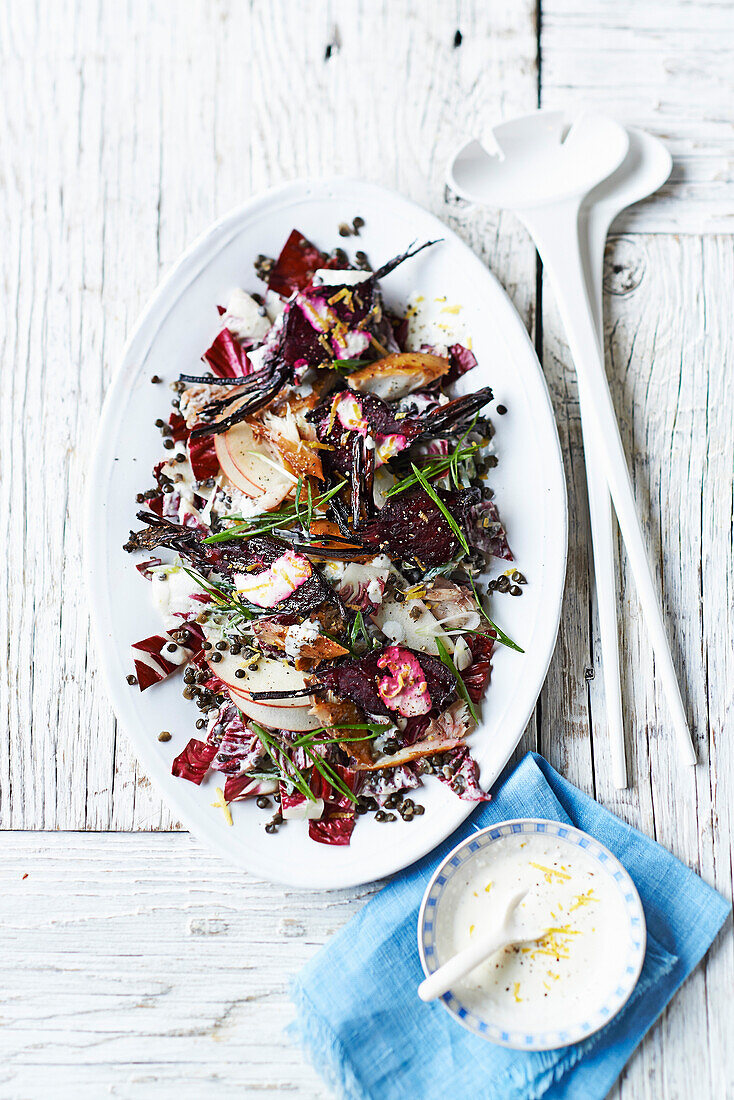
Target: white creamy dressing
x,y
544,984
171,592
328,277
245,318
437,322
299,635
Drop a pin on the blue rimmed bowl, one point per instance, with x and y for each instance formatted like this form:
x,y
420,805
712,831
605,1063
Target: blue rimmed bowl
x,y
632,937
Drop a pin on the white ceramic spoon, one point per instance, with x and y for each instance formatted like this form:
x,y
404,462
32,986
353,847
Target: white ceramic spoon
x,y
508,928
544,175
645,168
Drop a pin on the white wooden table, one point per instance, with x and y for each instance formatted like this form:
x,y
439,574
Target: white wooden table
x,y
134,963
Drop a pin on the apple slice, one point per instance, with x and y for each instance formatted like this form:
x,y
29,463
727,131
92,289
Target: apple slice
x,y
249,464
270,675
276,717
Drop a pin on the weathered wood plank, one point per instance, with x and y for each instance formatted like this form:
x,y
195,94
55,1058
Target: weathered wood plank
x,y
155,968
666,342
664,65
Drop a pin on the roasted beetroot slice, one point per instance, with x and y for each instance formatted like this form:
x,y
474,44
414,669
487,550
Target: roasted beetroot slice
x,y
238,557
356,679
226,357
193,763
415,529
294,269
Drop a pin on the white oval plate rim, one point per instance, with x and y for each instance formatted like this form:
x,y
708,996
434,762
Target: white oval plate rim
x,y
543,1040
191,263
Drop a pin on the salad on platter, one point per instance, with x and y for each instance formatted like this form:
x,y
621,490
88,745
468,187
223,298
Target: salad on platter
x,y
314,541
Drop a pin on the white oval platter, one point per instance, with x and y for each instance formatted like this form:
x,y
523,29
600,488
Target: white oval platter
x,y
177,326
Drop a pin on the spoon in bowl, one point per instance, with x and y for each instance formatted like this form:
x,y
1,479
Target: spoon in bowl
x,y
509,928
544,175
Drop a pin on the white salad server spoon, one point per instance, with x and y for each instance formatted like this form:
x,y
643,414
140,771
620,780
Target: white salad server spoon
x,y
508,928
645,169
544,177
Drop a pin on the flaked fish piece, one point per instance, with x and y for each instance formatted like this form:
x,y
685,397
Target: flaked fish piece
x,y
399,374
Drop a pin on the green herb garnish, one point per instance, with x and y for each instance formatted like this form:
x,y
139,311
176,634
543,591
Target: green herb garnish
x,y
270,521
446,660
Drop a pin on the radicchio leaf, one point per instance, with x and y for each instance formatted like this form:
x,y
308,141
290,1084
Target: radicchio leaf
x,y
476,676
485,532
381,784
336,824
203,458
238,748
295,267
193,763
464,777
177,424
239,787
154,661
227,357
462,359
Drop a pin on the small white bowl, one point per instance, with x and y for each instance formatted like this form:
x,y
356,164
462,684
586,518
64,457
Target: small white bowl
x,y
632,939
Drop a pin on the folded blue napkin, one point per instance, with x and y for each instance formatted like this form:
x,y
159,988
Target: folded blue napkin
x,y
361,1022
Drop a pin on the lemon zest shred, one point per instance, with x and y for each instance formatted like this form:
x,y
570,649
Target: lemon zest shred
x,y
222,804
549,872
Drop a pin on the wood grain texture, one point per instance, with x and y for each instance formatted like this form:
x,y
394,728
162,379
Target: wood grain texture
x,y
663,65
136,963
674,404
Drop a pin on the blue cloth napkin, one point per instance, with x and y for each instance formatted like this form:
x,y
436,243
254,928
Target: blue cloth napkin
x,y
366,1031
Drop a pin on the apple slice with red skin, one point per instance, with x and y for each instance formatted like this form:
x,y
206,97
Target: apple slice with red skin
x,y
246,462
276,717
268,675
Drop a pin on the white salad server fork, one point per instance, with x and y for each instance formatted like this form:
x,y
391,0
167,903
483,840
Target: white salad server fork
x,y
544,177
645,169
508,928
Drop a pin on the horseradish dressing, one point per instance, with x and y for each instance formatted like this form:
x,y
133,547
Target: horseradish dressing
x,y
562,978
